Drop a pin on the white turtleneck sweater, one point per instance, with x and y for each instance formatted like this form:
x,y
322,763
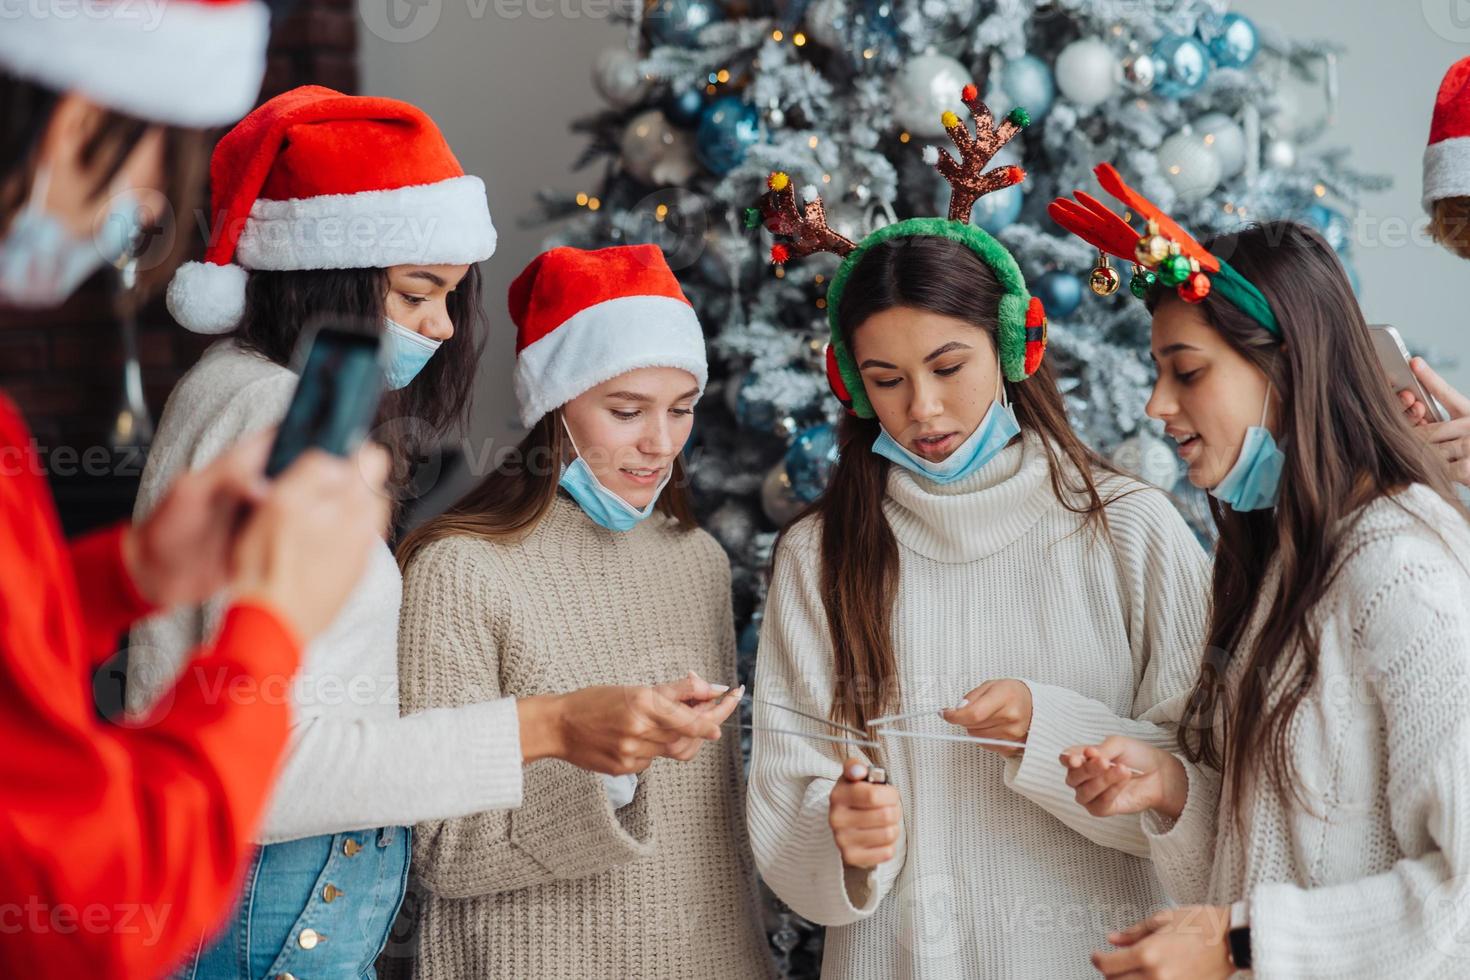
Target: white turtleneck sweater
x,y
1373,882
999,872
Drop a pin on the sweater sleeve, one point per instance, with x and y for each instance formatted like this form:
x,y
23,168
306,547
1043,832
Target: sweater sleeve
x,y
151,823
566,827
1164,581
1412,646
110,599
791,779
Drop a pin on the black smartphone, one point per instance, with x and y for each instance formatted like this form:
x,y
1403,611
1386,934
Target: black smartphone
x,y
336,398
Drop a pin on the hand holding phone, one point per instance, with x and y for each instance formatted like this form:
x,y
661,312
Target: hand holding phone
x,y
336,398
1394,356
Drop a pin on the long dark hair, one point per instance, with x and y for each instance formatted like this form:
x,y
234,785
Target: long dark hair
x,y
1346,443
411,420
516,495
26,108
859,550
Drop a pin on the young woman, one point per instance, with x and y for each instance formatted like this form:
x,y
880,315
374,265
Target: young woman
x,y
578,561
1313,815
154,822
326,238
972,561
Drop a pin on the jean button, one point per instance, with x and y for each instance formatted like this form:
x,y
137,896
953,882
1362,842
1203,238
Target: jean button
x,y
350,847
309,939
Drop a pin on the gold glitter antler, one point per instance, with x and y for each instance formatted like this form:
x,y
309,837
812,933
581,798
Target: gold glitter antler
x,y
968,179
804,224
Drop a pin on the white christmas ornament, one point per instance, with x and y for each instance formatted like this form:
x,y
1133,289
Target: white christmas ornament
x,y
657,153
1087,72
1146,455
616,77
1189,166
1279,154
1225,139
925,87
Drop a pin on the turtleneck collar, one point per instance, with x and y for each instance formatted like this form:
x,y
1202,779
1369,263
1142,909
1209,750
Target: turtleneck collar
x,y
977,516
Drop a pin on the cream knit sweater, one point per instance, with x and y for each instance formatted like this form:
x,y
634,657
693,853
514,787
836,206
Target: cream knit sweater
x,y
999,873
567,888
353,763
1375,884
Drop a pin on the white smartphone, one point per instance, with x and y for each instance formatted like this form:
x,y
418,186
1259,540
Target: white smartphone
x,y
1394,357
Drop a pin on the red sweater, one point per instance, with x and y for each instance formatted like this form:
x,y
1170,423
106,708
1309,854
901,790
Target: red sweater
x,y
119,845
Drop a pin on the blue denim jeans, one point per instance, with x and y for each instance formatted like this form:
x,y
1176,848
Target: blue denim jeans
x,y
314,907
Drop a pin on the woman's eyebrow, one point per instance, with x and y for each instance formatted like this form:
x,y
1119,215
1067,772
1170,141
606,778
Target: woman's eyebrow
x,y
952,345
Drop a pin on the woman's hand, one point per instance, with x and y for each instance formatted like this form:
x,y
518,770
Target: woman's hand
x,y
865,817
1124,775
995,709
1186,943
704,698
1451,439
615,730
180,553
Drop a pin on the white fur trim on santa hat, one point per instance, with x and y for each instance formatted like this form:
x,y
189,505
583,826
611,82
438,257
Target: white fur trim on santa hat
x,y
170,61
606,340
444,223
207,298
1446,170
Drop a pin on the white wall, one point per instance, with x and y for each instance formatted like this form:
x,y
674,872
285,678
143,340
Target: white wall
x,y
1396,55
505,77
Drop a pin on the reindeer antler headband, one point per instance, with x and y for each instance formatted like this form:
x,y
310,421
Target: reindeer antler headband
x,y
1022,320
1165,253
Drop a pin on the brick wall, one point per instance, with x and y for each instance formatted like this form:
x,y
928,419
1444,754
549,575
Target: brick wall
x,y
64,367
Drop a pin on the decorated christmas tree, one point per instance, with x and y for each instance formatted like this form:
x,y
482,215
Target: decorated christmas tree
x,y
1206,114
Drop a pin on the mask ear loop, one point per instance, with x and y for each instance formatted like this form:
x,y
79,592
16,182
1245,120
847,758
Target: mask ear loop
x,y
36,203
1267,406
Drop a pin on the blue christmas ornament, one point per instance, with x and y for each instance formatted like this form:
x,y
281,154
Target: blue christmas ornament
x,y
997,209
810,460
1028,82
728,129
1235,42
1333,225
1183,65
678,22
1060,292
749,638
753,413
684,107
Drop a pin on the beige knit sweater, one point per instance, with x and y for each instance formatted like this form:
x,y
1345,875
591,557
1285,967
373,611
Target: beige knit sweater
x,y
1375,882
567,887
1000,873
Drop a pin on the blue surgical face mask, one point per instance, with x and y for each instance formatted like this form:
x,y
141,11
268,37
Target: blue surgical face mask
x,y
405,352
994,433
42,263
1254,482
606,508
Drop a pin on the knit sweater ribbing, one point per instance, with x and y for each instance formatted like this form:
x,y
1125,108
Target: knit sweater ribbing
x,y
999,873
1375,881
566,887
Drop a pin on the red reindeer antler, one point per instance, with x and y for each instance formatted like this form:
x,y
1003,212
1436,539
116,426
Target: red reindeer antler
x,y
1112,182
805,225
968,179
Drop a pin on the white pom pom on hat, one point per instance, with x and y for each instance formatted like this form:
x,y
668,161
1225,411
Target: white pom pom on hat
x,y
207,298
300,184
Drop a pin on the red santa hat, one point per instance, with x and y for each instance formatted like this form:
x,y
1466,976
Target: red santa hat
x,y
314,179
585,317
1447,158
186,62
